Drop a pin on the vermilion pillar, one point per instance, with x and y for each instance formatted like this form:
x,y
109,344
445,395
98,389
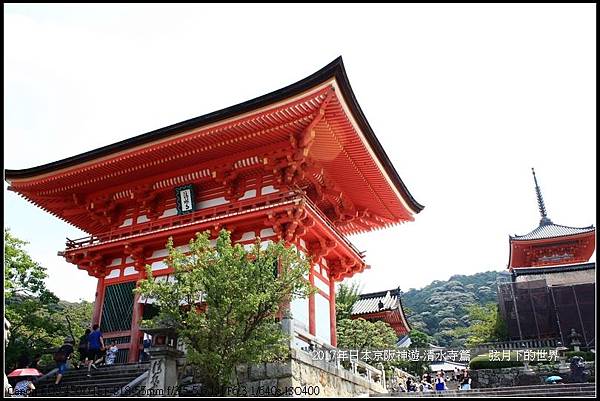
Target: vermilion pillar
x,y
332,320
97,316
312,327
134,347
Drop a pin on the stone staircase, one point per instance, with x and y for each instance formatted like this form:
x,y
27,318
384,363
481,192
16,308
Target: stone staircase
x,y
105,381
544,390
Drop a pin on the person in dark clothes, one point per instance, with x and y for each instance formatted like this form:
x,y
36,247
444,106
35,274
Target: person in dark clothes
x,y
83,348
62,357
35,362
96,348
23,361
465,381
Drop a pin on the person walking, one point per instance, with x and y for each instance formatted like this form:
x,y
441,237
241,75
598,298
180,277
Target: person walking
x,y
465,383
96,348
84,349
61,357
24,387
111,353
35,362
440,384
409,385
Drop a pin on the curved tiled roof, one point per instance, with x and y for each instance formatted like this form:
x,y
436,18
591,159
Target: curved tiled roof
x,y
369,303
552,230
335,70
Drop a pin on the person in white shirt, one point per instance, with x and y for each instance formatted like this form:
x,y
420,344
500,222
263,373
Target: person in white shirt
x,y
440,383
111,354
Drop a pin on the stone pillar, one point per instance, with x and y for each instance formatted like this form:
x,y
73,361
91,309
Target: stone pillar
x,y
7,386
287,326
162,375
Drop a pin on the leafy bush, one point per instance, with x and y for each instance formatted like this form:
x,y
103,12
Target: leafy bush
x,y
483,362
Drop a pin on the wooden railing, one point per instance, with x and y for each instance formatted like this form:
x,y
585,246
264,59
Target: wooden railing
x,y
210,213
520,344
186,219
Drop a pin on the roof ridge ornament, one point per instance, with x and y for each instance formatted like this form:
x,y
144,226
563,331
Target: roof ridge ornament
x,y
544,220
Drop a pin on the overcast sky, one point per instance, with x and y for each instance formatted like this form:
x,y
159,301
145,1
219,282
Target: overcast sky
x,y
465,99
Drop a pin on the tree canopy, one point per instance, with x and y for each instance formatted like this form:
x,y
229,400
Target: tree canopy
x,y
225,302
486,325
441,307
345,297
38,318
362,334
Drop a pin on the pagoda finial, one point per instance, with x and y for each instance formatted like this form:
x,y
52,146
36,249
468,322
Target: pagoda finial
x,y
545,220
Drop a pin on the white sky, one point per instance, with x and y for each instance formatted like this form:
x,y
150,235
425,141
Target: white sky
x,y
465,99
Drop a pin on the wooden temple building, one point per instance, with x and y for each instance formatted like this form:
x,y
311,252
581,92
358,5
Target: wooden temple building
x,y
552,281
385,306
300,164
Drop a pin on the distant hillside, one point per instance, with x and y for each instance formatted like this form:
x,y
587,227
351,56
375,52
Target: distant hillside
x,y
441,306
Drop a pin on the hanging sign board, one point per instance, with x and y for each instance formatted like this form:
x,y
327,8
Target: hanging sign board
x,y
186,201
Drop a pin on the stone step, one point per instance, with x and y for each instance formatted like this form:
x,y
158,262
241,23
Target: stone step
x,y
92,380
538,390
107,388
104,381
528,390
104,370
516,393
538,386
590,394
97,374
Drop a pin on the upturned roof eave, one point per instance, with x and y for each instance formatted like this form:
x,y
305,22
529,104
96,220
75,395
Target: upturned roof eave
x,y
587,229
335,69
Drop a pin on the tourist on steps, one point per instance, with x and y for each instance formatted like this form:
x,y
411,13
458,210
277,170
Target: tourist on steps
x,y
96,349
84,349
61,357
24,387
440,383
465,383
111,353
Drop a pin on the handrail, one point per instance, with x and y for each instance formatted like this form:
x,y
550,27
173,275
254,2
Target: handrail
x,y
371,372
516,344
49,374
131,384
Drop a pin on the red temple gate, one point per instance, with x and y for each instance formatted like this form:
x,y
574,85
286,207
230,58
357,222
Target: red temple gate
x,y
299,164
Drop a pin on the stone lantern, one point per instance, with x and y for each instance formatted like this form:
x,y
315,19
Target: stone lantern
x,y
574,338
562,366
162,375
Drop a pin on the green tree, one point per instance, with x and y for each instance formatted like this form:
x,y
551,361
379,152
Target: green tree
x,y
243,292
486,324
362,334
345,298
22,275
37,317
419,339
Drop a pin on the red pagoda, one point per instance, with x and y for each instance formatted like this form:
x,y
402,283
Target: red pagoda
x,y
551,244
300,164
551,291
